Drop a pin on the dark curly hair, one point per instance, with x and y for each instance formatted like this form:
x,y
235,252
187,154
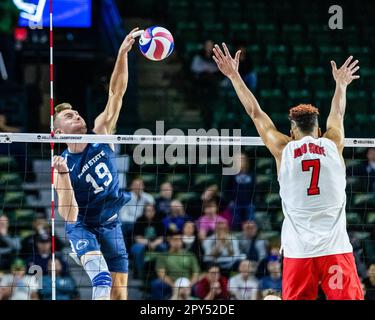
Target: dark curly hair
x,y
305,116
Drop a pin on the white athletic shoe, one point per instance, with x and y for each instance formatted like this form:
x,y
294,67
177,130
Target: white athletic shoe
x,y
74,256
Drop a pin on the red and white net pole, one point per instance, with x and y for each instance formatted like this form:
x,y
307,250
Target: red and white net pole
x,y
53,271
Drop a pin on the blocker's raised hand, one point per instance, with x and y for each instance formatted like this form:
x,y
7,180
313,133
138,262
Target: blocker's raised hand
x,y
346,74
226,64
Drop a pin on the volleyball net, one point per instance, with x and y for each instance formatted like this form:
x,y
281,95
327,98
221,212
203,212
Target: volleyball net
x,y
179,185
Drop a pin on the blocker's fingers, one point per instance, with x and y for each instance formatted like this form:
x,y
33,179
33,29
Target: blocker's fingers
x,y
354,70
221,54
353,65
217,55
227,53
334,66
346,63
217,61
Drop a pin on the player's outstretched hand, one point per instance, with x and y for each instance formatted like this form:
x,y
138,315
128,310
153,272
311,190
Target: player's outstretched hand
x,y
346,74
226,64
60,165
128,42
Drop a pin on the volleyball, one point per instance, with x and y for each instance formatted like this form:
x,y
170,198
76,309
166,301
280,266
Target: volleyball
x,y
156,43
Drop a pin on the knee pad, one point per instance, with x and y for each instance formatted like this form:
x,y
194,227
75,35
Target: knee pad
x,y
97,269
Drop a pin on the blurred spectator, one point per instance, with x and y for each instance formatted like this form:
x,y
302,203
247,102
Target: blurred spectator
x,y
246,70
182,290
163,201
222,247
9,245
240,192
203,66
18,285
134,208
191,241
255,249
4,127
211,193
207,223
270,294
273,280
40,227
358,254
205,79
369,283
213,286
148,236
170,266
66,288
366,172
244,285
273,253
43,254
9,17
175,221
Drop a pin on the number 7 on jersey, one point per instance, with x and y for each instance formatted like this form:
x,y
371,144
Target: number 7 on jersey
x,y
315,165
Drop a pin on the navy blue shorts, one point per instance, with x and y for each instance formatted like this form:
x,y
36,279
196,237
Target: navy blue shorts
x,y
108,239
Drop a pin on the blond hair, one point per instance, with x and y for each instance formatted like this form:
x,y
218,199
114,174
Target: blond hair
x,y
58,109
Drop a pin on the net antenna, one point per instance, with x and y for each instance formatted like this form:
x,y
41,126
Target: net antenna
x,y
52,144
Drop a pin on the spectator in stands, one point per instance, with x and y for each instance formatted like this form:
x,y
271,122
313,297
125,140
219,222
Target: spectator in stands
x,y
222,247
273,280
171,265
134,208
247,71
43,254
40,227
240,192
18,285
358,254
205,79
369,283
202,65
366,172
163,201
4,127
191,241
272,254
212,193
175,221
9,17
9,246
244,285
182,290
255,249
213,286
270,294
207,223
148,236
66,288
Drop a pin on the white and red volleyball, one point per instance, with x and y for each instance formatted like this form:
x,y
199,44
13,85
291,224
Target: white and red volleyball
x,y
156,43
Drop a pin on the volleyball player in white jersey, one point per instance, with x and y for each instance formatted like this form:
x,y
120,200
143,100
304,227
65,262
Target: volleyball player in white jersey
x,y
311,174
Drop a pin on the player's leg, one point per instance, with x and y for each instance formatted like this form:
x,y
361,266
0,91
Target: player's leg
x,y
113,248
300,279
85,244
119,286
340,279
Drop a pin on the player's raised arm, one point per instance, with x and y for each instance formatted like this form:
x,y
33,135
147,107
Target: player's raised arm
x,y
272,138
335,121
105,123
68,207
